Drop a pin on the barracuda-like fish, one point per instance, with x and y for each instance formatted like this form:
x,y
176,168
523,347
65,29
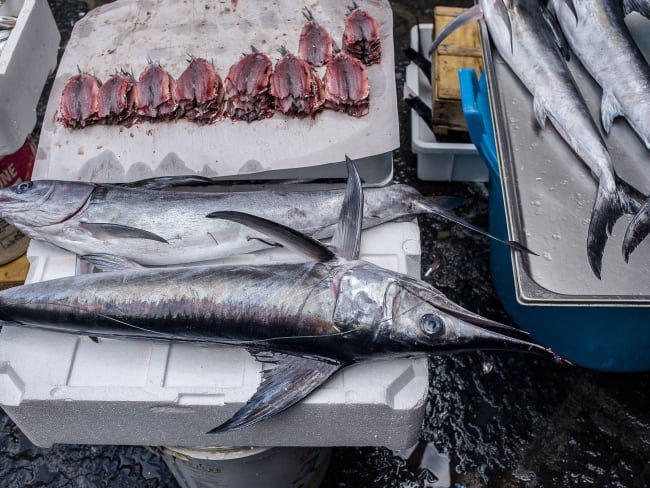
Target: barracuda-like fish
x,y
519,33
317,317
596,33
156,226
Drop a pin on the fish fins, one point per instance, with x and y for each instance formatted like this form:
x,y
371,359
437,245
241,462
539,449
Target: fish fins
x,y
439,207
105,230
642,7
291,380
286,236
109,262
558,35
347,234
608,208
609,110
95,339
166,182
637,230
539,108
470,15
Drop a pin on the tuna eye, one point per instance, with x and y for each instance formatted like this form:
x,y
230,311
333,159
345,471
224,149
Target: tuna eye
x,y
23,187
432,325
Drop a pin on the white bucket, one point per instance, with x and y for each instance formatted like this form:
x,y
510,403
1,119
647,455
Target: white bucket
x,y
252,467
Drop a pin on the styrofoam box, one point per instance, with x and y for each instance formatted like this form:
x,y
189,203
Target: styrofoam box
x,y
61,388
26,59
438,161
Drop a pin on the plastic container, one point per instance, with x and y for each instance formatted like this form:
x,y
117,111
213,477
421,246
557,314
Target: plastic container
x,y
61,388
26,59
602,337
438,161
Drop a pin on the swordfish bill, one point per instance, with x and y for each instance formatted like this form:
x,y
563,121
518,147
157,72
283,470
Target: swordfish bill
x,y
308,319
519,33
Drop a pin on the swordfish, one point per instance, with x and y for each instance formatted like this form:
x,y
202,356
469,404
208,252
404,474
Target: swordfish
x,y
519,32
314,317
152,225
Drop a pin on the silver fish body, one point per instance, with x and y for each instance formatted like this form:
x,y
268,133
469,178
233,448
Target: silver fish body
x,y
90,218
314,318
519,32
600,39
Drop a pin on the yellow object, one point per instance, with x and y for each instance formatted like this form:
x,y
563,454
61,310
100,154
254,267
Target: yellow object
x,y
462,49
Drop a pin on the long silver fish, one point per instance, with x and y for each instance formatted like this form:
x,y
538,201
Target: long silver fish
x,y
523,40
150,225
316,317
597,34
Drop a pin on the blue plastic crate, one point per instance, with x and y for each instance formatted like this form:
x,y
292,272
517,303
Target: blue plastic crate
x,y
606,338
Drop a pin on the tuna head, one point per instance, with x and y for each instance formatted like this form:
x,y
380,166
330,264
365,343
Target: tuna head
x,y
44,202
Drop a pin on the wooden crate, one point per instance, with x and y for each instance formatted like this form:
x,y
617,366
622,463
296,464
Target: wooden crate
x,y
462,49
14,272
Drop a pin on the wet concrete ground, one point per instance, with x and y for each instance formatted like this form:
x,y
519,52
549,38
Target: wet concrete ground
x,y
505,421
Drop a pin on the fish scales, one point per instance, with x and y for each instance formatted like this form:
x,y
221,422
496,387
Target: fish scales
x,y
602,42
57,211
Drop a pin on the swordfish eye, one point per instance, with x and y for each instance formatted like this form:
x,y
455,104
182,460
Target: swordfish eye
x,y
23,187
432,325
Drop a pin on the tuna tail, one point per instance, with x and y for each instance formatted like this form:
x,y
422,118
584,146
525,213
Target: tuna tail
x,y
637,230
608,207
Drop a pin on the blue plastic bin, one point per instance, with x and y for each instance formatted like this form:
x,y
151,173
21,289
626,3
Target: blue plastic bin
x,y
599,337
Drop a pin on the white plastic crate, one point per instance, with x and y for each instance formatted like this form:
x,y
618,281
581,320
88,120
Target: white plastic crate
x,y
61,388
439,161
26,59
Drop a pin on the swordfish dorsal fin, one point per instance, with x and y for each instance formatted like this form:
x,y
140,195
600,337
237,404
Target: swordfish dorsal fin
x,y
284,235
291,380
347,235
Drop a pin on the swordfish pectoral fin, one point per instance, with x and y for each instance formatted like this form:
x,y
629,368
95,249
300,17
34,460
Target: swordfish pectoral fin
x,y
286,236
105,230
347,234
609,110
291,380
470,15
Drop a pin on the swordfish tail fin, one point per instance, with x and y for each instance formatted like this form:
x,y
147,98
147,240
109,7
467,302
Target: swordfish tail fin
x,y
637,230
609,206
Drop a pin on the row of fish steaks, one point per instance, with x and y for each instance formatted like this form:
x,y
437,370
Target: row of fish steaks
x,y
252,90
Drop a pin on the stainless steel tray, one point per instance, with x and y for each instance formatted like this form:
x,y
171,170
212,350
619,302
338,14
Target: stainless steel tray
x,y
549,194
